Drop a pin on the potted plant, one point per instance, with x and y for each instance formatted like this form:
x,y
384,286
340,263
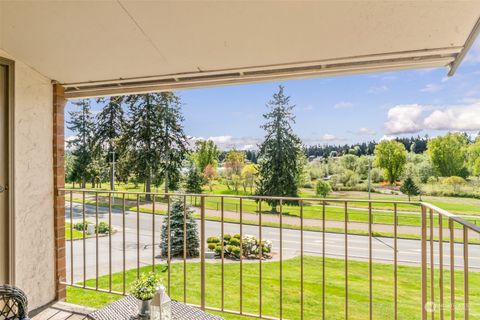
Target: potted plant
x,y
144,288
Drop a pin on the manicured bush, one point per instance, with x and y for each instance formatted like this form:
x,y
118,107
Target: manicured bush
x,y
227,237
236,235
236,251
103,227
213,240
80,226
234,242
251,247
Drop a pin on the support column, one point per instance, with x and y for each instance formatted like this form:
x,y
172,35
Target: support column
x,y
59,182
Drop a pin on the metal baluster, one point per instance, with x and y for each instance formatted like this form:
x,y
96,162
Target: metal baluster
x,y
395,259
281,259
223,249
96,240
202,252
261,255
185,249
71,237
424,263
301,259
452,268
84,246
169,244
241,256
138,235
346,260
466,293
323,261
153,233
109,243
370,267
432,268
123,243
440,257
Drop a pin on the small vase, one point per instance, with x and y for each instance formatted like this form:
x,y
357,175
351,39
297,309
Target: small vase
x,y
144,309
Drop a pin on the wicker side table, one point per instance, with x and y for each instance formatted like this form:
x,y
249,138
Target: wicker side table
x,y
127,309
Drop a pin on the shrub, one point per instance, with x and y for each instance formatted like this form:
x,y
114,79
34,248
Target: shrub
x,y
103,227
236,235
234,242
323,188
80,226
250,247
236,251
213,240
227,237
455,182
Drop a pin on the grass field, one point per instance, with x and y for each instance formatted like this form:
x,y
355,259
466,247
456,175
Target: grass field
x,y
75,233
358,292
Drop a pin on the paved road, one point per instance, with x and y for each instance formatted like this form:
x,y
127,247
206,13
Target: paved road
x,y
408,250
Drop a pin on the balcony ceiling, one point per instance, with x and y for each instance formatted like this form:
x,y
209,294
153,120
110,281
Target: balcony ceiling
x,y
113,47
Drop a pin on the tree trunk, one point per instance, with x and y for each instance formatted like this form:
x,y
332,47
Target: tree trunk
x,y
148,188
84,183
166,184
112,178
274,209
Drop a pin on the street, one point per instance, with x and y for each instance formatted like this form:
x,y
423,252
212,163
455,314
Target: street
x,y
409,252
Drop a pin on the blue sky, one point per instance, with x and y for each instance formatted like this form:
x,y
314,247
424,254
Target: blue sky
x,y
343,109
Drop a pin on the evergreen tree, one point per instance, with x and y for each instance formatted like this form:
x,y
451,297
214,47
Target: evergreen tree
x,y
157,144
109,129
194,180
173,141
81,123
177,215
410,188
279,154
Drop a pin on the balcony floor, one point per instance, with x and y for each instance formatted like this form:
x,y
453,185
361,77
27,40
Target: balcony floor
x,y
61,311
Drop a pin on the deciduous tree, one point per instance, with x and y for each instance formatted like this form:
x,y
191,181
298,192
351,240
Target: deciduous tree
x,y
391,156
447,154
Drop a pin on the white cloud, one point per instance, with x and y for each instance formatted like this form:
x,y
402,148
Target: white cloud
x,y
343,105
366,131
455,118
308,108
328,137
230,142
404,119
377,90
431,88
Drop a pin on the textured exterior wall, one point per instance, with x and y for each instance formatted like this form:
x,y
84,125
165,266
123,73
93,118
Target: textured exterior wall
x,y
33,185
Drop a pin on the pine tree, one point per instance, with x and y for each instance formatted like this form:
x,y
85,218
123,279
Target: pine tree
x,y
109,129
410,188
194,180
177,215
279,154
81,123
157,144
173,140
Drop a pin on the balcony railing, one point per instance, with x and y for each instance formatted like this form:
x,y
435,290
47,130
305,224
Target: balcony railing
x,y
332,258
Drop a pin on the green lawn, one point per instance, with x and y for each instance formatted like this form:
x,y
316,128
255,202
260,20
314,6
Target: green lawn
x,y
75,234
408,289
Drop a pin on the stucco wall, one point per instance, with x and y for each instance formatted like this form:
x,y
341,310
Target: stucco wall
x,y
34,227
